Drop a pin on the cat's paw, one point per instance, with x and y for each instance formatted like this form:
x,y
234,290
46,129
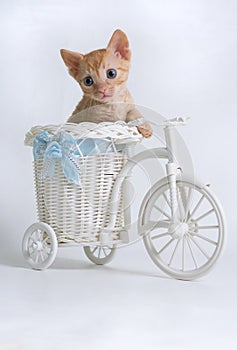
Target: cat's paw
x,y
145,129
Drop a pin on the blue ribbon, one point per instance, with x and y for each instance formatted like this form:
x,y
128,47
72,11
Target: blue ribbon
x,y
64,148
67,149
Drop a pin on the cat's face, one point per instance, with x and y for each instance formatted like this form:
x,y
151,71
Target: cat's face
x,y
101,73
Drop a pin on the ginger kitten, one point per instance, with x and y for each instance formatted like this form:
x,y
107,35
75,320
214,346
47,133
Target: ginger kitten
x,y
102,75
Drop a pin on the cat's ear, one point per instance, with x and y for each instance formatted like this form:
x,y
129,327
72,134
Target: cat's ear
x,y
119,45
72,60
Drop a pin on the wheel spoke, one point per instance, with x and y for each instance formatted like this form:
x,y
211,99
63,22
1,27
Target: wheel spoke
x,y
173,254
34,234
191,251
205,215
166,199
45,240
206,239
183,195
99,252
32,254
94,250
31,238
183,252
161,211
180,205
37,257
160,235
30,246
46,252
42,256
30,249
39,235
208,227
197,206
105,253
165,246
187,208
200,248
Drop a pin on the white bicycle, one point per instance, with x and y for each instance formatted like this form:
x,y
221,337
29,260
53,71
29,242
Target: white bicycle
x,y
180,220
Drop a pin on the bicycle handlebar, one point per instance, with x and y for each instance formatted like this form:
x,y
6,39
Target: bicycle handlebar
x,y
169,122
175,121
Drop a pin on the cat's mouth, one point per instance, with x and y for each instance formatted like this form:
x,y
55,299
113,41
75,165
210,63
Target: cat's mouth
x,y
103,97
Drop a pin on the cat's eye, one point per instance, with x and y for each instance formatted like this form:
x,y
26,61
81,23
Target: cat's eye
x,y
111,73
88,81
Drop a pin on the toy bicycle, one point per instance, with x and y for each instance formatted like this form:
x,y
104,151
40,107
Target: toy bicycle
x,y
180,220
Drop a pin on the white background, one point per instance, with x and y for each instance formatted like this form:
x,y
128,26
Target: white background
x,y
184,56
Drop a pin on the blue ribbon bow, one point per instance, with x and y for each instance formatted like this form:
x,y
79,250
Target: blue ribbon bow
x,y
64,148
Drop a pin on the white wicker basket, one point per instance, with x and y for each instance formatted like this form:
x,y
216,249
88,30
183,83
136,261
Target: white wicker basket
x,y
78,213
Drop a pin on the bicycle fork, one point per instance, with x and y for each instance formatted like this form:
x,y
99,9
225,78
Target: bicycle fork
x,y
172,172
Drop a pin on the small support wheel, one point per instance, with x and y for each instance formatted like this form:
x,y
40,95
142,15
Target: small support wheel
x,y
99,255
39,246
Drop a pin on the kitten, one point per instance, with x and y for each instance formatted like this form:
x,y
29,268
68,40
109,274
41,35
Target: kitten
x,y
102,75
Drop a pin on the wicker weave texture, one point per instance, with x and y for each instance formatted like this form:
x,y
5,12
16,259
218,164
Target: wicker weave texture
x,y
77,214
119,132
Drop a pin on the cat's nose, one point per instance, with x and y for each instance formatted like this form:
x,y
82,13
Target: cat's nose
x,y
102,91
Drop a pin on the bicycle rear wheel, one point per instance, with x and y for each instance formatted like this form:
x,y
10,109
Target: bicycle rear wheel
x,y
99,255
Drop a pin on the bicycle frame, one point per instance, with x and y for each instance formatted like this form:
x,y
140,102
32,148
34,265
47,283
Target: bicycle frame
x,y
171,171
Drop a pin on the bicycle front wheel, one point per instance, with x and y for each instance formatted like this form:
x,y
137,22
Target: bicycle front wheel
x,y
193,248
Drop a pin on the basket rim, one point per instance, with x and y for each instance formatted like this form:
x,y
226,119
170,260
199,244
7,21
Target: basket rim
x,y
118,132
